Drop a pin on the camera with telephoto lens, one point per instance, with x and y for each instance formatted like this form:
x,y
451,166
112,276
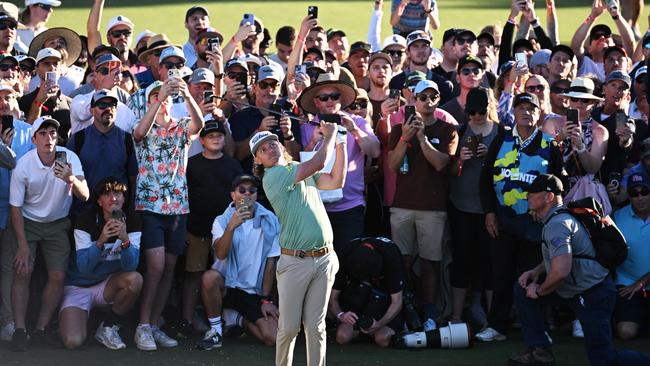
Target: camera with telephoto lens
x,y
452,336
411,316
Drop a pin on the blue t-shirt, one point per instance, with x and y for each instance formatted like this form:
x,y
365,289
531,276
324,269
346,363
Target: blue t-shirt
x,y
637,234
20,145
413,17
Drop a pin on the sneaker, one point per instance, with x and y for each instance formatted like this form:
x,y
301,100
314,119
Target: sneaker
x,y
19,340
533,356
6,331
489,334
144,339
109,337
163,339
210,341
429,325
577,329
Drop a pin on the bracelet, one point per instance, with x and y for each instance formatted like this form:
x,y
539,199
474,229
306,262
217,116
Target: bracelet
x,y
266,300
589,19
338,316
290,138
125,244
534,21
299,37
512,21
402,139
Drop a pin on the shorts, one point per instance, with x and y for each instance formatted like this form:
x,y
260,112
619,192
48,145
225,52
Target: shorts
x,y
635,310
197,254
167,231
85,298
419,233
52,239
248,305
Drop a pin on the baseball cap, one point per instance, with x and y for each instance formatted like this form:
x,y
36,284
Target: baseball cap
x,y
42,122
477,101
259,138
598,30
636,180
102,48
562,48
334,32
212,126
26,59
394,40
506,66
45,2
449,34
106,58
379,55
360,46
202,75
151,88
209,33
44,53
424,85
540,57
546,183
268,72
235,62
470,59
119,20
413,78
103,93
522,42
144,33
641,71
645,148
619,75
466,32
316,51
487,36
171,51
526,98
5,86
646,40
8,56
418,35
244,178
611,49
194,9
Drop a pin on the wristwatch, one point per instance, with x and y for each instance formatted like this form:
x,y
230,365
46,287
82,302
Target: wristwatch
x,y
125,244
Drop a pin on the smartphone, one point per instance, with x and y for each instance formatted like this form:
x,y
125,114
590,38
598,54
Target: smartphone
x,y
242,78
208,96
174,73
621,120
615,179
301,69
61,157
50,79
117,214
213,44
332,118
473,142
394,94
612,4
572,116
249,19
7,122
521,59
409,113
312,11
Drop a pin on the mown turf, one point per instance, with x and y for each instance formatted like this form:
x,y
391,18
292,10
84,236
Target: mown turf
x,y
352,16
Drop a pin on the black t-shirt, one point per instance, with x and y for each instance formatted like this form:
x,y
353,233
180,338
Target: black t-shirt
x,y
58,108
208,183
392,278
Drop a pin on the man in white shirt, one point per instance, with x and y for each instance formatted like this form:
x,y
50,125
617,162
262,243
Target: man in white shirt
x,y
197,19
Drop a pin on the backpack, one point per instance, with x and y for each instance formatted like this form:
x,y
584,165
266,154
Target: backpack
x,y
80,137
608,241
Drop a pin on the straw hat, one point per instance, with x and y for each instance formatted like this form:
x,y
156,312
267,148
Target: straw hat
x,y
72,40
348,92
156,42
582,88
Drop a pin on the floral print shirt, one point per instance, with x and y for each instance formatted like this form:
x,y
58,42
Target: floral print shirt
x,y
162,159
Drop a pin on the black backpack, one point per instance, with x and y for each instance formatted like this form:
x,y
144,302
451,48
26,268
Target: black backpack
x,y
608,241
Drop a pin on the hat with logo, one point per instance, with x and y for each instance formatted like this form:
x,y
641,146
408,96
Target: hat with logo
x,y
244,178
106,58
212,126
394,40
417,35
638,180
413,78
546,183
9,11
45,2
202,75
260,138
379,56
103,93
333,32
171,51
526,98
360,47
470,59
424,85
619,75
119,20
269,72
235,62
47,53
43,122
640,71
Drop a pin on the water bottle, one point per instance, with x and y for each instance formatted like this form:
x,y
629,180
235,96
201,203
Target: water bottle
x,y
404,168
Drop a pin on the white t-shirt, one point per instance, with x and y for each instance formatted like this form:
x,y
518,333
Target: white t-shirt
x,y
190,54
81,116
248,254
590,67
42,196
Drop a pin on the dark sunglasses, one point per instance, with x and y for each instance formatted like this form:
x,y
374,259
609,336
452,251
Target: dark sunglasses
x,y
4,26
358,105
599,35
640,79
424,97
173,65
462,41
535,88
582,100
235,75
415,36
44,6
470,70
104,105
267,84
639,193
26,69
7,67
243,190
325,97
103,70
119,33
471,113
395,53
559,90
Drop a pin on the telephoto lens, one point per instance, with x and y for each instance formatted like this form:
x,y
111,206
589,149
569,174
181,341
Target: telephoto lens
x,y
452,336
413,321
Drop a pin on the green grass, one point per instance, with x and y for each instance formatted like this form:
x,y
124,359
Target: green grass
x,y
352,16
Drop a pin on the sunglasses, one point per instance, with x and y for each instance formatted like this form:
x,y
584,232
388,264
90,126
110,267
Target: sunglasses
x,y
640,79
4,26
639,193
267,84
535,88
119,33
467,70
157,53
7,67
471,113
581,100
559,90
600,35
173,65
104,105
44,6
462,41
104,71
243,190
415,36
424,97
325,97
395,53
363,104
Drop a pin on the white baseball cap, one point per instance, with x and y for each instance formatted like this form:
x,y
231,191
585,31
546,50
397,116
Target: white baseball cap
x,y
44,53
393,40
44,120
260,138
171,51
46,2
119,20
144,33
424,85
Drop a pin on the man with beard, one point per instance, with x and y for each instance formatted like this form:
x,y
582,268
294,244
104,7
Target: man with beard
x,y
119,34
105,150
8,23
418,48
358,64
380,72
487,51
108,70
197,19
206,56
338,43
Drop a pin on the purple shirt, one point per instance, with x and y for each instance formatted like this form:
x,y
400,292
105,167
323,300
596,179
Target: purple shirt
x,y
354,182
